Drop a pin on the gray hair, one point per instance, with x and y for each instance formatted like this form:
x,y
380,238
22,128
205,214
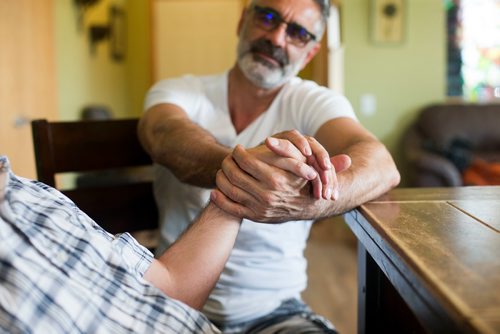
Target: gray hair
x,y
324,6
324,9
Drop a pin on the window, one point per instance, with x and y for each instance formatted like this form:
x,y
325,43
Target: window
x,y
474,49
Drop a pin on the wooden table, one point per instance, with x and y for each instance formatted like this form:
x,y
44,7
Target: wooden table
x,y
436,249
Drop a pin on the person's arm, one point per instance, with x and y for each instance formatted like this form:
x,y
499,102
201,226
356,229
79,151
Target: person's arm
x,y
191,153
189,269
373,171
371,174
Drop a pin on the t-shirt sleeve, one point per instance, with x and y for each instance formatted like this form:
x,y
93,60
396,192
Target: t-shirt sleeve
x,y
135,256
183,92
314,105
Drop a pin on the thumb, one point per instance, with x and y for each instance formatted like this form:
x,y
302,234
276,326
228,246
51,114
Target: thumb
x,y
341,162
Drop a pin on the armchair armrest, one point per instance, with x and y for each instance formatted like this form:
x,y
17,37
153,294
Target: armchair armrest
x,y
439,167
429,168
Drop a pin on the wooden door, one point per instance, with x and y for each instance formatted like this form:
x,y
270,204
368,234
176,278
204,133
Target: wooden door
x,y
27,77
194,36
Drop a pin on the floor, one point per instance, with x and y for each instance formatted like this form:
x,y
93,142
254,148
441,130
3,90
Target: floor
x,y
332,288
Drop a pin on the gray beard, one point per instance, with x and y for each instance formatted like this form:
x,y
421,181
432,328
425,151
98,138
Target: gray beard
x,y
265,76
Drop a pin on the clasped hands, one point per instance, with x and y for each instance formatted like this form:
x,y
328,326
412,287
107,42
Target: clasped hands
x,y
289,177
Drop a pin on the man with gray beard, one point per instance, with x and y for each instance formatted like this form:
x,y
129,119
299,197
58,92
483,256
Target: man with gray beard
x,y
206,136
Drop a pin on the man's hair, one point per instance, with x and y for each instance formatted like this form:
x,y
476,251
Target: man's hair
x,y
324,6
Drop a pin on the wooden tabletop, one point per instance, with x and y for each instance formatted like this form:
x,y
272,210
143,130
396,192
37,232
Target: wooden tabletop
x,y
450,239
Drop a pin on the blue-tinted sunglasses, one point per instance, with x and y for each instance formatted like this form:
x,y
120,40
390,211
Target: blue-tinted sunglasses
x,y
268,19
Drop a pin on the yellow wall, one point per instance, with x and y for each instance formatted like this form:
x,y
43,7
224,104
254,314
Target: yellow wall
x,y
139,60
403,78
85,77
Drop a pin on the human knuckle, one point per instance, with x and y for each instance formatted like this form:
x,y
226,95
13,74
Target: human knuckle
x,y
240,212
288,145
311,138
281,181
230,175
234,193
245,162
268,198
225,163
276,181
219,177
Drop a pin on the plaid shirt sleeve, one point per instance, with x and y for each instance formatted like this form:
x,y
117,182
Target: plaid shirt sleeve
x,y
61,273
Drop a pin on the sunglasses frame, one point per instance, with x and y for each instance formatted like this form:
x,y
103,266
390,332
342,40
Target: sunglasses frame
x,y
258,10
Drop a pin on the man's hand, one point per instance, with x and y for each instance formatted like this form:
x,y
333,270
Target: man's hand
x,y
273,186
315,154
326,185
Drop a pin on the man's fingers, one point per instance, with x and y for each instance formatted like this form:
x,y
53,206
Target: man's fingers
x,y
320,153
227,205
297,139
317,188
288,163
328,186
340,163
251,164
284,148
231,179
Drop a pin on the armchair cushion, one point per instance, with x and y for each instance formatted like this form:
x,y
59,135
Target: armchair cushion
x,y
475,123
446,138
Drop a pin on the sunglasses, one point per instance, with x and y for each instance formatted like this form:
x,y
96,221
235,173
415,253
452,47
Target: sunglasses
x,y
268,19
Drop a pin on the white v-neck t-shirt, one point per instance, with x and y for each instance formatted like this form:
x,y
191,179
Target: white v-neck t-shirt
x,y
267,264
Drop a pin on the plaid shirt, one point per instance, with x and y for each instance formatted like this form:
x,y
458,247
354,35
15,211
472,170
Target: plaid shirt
x,y
61,273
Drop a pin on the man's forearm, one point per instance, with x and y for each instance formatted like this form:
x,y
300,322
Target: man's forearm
x,y
371,174
189,269
265,199
187,150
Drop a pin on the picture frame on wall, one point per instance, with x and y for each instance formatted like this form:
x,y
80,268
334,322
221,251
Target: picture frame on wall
x,y
118,28
388,21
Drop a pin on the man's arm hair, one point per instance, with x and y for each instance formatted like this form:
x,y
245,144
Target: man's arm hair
x,y
193,155
267,198
190,152
189,269
372,172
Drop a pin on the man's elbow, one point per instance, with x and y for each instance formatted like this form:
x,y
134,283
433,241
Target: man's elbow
x,y
395,178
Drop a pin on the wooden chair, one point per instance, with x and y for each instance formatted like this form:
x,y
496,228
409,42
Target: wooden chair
x,y
109,148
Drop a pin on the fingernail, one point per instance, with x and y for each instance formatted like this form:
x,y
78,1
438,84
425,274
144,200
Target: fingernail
x,y
311,175
212,195
307,151
273,141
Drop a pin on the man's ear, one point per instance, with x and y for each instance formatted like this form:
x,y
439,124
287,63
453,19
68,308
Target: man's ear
x,y
310,55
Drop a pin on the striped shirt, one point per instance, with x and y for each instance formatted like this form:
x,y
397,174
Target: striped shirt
x,y
62,273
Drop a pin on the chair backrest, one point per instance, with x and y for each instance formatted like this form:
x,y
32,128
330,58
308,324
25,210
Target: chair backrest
x,y
118,201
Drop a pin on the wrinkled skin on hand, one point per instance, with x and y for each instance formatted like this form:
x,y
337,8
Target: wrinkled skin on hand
x,y
277,181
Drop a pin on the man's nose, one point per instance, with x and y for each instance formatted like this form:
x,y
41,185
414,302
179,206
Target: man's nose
x,y
278,35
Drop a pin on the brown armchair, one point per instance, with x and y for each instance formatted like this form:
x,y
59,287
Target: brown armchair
x,y
446,137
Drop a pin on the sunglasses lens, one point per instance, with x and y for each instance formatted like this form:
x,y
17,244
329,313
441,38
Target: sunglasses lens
x,y
266,19
298,34
270,20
